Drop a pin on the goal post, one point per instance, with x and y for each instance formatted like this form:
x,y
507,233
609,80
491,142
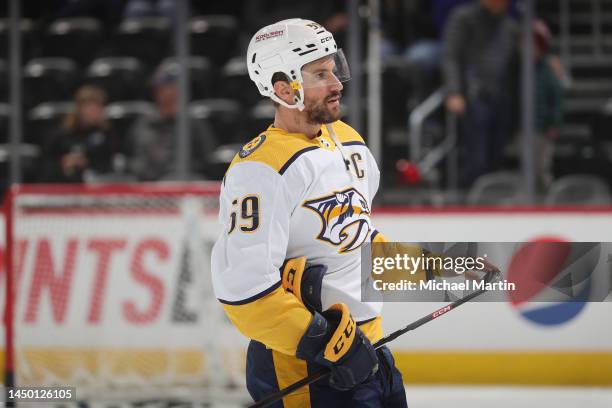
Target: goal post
x,y
108,290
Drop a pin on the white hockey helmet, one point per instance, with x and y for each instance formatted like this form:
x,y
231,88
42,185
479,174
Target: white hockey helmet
x,y
285,47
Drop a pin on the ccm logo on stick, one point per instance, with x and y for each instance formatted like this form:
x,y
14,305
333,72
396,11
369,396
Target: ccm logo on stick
x,y
441,311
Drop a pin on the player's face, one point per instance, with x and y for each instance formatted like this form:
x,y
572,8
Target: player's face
x,y
322,91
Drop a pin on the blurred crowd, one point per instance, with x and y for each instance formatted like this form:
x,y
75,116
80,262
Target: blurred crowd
x,y
101,92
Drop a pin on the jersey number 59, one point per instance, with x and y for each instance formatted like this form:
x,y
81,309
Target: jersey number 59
x,y
248,209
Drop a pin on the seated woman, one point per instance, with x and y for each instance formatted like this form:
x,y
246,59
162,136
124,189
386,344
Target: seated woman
x,y
84,146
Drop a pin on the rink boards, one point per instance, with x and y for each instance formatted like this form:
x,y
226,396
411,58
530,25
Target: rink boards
x,y
494,343
110,294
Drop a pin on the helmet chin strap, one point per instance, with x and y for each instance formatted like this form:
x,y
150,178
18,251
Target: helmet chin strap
x,y
299,104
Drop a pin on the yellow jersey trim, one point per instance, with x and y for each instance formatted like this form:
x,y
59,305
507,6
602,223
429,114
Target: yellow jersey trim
x,y
277,320
278,148
290,370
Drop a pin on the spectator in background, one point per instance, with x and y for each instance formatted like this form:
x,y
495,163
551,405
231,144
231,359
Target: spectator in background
x,y
479,66
442,9
549,96
84,147
153,138
413,30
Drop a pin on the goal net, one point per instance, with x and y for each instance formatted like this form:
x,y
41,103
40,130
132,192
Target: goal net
x,y
111,293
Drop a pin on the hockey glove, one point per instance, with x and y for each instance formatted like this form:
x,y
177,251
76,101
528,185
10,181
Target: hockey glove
x,y
333,340
304,281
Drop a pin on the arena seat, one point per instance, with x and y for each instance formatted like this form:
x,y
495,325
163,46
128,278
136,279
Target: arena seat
x,y
237,84
123,78
201,75
44,118
214,36
499,188
77,38
223,115
579,189
146,38
49,79
28,36
261,116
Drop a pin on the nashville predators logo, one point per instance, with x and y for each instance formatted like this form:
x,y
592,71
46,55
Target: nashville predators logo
x,y
345,216
251,146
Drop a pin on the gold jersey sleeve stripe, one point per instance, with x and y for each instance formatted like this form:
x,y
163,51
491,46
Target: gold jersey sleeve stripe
x,y
277,320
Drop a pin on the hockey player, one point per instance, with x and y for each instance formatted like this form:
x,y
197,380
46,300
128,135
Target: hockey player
x,y
295,208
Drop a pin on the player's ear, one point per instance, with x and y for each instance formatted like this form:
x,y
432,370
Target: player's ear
x,y
282,89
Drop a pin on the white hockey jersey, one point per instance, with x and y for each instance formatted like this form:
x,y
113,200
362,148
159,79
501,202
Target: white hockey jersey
x,y
287,196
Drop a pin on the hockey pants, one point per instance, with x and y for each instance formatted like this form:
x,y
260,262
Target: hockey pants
x,y
268,370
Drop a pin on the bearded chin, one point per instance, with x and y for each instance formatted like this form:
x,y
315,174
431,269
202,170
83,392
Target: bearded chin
x,y
321,114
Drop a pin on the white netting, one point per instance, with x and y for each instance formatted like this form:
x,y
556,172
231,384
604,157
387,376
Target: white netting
x,y
113,294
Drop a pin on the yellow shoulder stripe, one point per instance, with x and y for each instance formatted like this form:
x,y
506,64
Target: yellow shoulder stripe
x,y
275,148
345,133
278,148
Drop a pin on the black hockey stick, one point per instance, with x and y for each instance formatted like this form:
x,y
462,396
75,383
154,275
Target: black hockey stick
x,y
324,372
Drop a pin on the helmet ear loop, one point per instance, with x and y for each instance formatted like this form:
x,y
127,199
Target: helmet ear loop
x,y
295,86
299,99
298,89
